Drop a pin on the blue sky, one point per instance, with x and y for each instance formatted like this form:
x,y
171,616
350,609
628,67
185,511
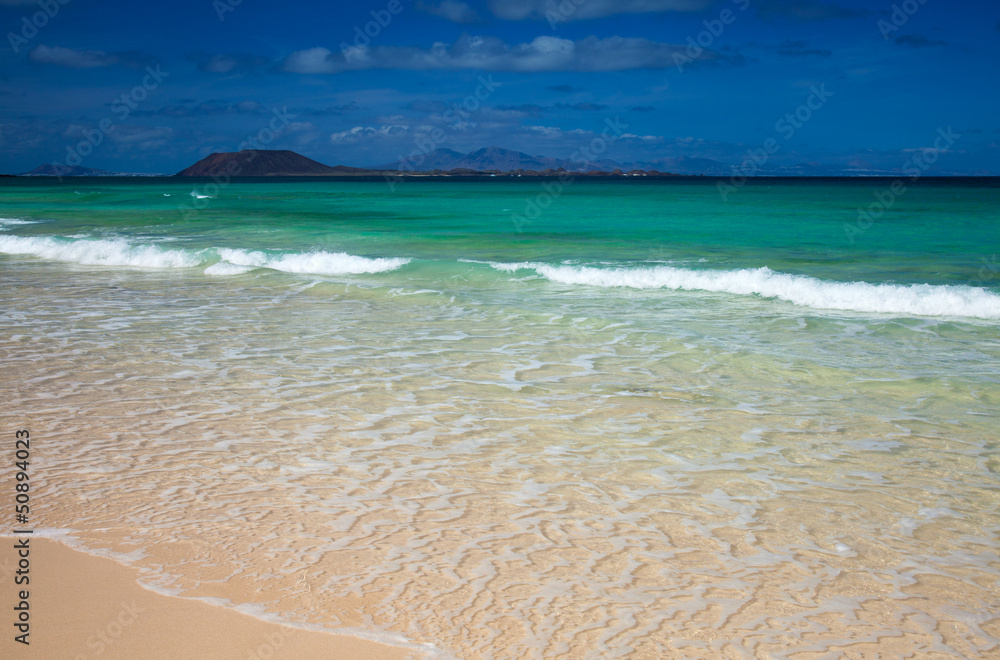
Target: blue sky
x,y
131,86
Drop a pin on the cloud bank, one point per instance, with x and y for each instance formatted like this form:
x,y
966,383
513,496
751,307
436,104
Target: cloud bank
x,y
544,53
519,10
86,59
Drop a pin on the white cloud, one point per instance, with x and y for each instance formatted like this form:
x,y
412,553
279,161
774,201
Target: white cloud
x,y
303,134
557,11
142,137
220,64
546,131
640,138
544,53
359,133
579,133
311,60
75,59
450,10
228,62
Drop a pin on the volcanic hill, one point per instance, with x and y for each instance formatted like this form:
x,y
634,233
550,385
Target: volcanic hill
x,y
263,162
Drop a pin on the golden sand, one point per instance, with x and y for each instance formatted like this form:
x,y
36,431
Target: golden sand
x,y
84,607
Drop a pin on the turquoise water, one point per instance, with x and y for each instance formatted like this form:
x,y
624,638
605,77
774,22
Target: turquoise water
x,y
938,232
641,422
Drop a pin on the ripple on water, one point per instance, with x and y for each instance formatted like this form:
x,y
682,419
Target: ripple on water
x,y
526,485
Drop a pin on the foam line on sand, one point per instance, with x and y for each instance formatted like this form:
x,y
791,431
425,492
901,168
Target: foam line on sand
x,y
87,607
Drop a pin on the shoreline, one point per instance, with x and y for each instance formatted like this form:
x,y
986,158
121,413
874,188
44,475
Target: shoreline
x,y
527,445
86,606
947,179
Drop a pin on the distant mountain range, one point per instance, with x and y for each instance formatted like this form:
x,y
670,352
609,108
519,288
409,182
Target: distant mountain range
x,y
491,160
55,169
506,160
488,161
66,170
495,160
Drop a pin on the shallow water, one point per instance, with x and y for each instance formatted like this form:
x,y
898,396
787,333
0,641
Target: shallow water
x,y
523,462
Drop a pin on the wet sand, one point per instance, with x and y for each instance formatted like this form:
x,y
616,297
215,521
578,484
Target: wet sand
x,y
83,607
490,481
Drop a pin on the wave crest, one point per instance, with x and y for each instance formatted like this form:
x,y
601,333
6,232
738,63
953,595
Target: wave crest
x,y
315,263
9,222
913,299
231,261
99,252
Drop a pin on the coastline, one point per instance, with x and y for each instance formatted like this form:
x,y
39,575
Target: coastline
x,y
401,419
85,606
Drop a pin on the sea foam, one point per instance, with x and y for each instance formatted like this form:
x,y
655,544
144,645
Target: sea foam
x,y
99,252
315,263
9,222
231,261
913,299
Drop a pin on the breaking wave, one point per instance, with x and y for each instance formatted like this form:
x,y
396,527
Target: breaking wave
x,y
316,263
913,299
99,252
222,261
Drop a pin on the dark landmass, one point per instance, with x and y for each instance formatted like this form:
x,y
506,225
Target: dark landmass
x,y
60,170
497,159
490,162
546,173
487,162
67,170
260,162
493,159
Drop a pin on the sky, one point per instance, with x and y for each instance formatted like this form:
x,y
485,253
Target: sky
x,y
847,85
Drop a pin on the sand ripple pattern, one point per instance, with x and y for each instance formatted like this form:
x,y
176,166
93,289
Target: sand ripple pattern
x,y
558,480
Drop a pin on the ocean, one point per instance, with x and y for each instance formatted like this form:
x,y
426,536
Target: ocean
x,y
523,418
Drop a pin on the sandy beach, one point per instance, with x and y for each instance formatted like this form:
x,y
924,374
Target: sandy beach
x,y
83,606
450,440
